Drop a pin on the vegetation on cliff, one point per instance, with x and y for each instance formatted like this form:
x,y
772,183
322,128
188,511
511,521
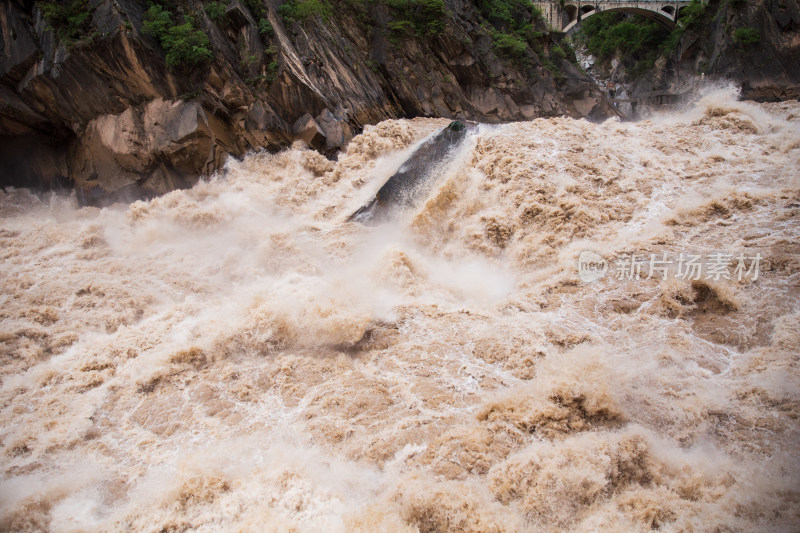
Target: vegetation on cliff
x,y
746,37
516,27
707,26
185,45
221,77
636,39
424,17
71,21
305,9
613,33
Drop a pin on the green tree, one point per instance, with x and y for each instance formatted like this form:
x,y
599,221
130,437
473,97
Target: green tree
x,y
746,37
157,20
510,45
186,46
305,9
71,21
215,11
609,34
420,17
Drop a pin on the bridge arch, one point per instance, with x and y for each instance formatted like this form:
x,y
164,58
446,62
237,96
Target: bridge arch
x,y
664,15
565,15
571,11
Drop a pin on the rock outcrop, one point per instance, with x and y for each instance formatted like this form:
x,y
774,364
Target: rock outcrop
x,y
149,149
767,69
106,115
413,180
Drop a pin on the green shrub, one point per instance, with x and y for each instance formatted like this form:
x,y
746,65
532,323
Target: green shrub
x,y
425,17
509,15
510,45
671,42
157,21
259,11
71,21
538,16
257,8
566,46
286,11
249,60
641,40
312,8
746,37
551,67
265,28
429,17
399,29
215,11
185,45
513,22
557,52
305,9
694,14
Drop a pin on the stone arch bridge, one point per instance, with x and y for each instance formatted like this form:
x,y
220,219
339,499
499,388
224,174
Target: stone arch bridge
x,y
564,15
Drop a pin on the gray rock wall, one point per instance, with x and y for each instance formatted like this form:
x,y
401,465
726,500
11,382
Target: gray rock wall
x,y
107,115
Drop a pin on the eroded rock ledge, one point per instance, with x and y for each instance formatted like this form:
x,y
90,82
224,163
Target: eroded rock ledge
x,y
107,117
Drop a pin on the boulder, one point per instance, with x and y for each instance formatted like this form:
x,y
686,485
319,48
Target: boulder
x,y
337,132
416,176
307,129
159,146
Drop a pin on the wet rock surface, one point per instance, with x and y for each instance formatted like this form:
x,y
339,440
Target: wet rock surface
x,y
87,109
766,71
412,182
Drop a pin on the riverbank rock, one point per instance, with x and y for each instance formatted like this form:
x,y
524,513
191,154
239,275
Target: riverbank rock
x,y
102,111
150,149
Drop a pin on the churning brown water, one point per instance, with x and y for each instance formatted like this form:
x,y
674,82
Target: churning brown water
x,y
238,356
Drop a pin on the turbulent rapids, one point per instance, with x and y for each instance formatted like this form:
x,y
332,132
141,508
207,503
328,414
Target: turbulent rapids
x,y
242,356
417,176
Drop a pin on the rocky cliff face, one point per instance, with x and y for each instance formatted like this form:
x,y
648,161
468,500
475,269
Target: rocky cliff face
x,y
105,114
754,43
768,70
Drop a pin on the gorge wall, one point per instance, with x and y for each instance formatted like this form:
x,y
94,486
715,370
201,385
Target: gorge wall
x,y
754,44
92,104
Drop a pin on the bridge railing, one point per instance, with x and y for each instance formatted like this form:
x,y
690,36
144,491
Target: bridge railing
x,y
603,2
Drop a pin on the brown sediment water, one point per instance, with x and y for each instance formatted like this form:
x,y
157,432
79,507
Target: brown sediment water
x,y
240,357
